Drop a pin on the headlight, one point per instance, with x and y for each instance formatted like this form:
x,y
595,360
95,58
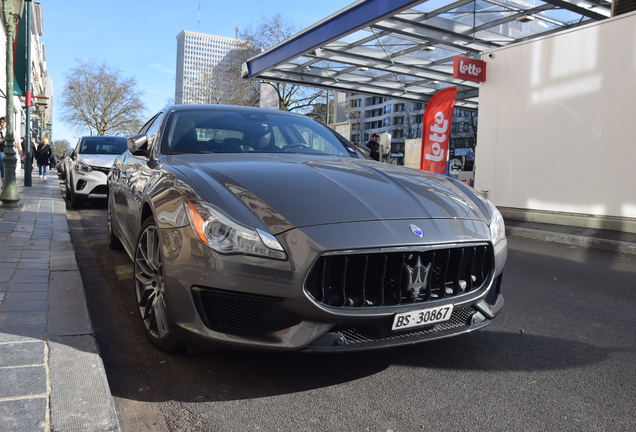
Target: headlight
x,y
82,168
497,226
219,232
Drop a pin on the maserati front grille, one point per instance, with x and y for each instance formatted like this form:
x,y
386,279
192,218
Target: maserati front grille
x,y
396,278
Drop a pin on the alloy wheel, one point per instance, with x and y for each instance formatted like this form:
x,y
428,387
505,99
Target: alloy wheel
x,y
149,284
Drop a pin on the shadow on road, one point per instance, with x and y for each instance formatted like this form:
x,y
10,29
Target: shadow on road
x,y
223,376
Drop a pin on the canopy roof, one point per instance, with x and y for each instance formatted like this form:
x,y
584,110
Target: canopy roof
x,y
405,48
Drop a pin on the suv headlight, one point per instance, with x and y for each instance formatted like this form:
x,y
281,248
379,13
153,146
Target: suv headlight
x,y
82,168
497,226
217,231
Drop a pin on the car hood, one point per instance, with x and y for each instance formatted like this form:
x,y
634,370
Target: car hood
x,y
298,191
98,160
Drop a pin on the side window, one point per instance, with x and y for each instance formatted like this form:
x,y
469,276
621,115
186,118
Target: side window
x,y
149,123
77,147
151,128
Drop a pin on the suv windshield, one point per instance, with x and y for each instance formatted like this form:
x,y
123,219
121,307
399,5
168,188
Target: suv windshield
x,y
103,145
243,131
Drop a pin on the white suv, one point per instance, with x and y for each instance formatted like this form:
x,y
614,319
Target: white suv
x,y
88,167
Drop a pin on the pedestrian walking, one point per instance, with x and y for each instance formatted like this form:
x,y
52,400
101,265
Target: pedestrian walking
x,y
42,156
27,163
374,146
3,134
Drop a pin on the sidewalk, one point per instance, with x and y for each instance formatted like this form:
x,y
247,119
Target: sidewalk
x,y
51,375
613,241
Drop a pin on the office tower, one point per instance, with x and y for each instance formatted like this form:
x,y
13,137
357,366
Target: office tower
x,y
208,69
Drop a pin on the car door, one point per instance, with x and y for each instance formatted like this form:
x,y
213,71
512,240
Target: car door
x,y
70,163
134,173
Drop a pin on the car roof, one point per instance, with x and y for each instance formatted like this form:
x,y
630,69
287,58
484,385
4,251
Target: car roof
x,y
195,107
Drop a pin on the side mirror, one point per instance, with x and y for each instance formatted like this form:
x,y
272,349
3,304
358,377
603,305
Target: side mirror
x,y
138,145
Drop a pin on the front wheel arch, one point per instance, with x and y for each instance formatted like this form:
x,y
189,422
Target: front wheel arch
x,y
148,280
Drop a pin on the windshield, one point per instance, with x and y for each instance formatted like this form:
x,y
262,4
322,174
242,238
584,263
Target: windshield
x,y
103,145
247,131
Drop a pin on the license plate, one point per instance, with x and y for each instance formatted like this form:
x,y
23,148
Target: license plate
x,y
422,317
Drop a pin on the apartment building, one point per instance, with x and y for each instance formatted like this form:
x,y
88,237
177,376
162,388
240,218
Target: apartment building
x,y
403,120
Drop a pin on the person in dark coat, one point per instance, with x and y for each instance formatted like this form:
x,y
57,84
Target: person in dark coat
x,y
374,146
27,163
3,134
42,156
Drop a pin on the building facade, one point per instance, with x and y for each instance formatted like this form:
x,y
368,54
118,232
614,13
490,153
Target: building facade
x,y
204,62
41,84
403,120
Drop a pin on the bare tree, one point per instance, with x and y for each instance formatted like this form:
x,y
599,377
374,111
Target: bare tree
x,y
268,33
97,98
472,122
411,126
60,146
356,116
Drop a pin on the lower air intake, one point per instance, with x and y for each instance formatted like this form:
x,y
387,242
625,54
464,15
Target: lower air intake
x,y
237,313
361,334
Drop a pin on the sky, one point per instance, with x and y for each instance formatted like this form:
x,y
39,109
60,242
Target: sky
x,y
139,37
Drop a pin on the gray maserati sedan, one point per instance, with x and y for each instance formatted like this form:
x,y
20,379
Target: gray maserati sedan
x,y
265,230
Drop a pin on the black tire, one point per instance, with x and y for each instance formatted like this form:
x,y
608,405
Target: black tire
x,y
149,289
68,191
113,242
76,201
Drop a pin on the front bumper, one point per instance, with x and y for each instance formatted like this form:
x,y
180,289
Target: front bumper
x,y
91,185
242,302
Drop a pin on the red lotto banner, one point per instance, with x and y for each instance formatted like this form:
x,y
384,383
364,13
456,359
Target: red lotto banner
x,y
436,126
469,69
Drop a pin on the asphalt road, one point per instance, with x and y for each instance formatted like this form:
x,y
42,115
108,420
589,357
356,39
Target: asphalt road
x,y
561,356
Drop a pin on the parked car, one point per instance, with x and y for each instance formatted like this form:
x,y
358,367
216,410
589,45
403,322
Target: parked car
x,y
87,167
62,163
259,229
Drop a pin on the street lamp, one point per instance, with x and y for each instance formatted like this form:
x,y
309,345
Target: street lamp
x,y
11,13
40,107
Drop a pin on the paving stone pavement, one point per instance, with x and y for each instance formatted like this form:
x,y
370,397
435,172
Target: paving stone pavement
x,y
51,375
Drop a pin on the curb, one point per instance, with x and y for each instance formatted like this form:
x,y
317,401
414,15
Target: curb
x,y
588,242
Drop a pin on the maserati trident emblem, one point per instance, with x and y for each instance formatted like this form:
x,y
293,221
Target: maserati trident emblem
x,y
416,230
418,278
